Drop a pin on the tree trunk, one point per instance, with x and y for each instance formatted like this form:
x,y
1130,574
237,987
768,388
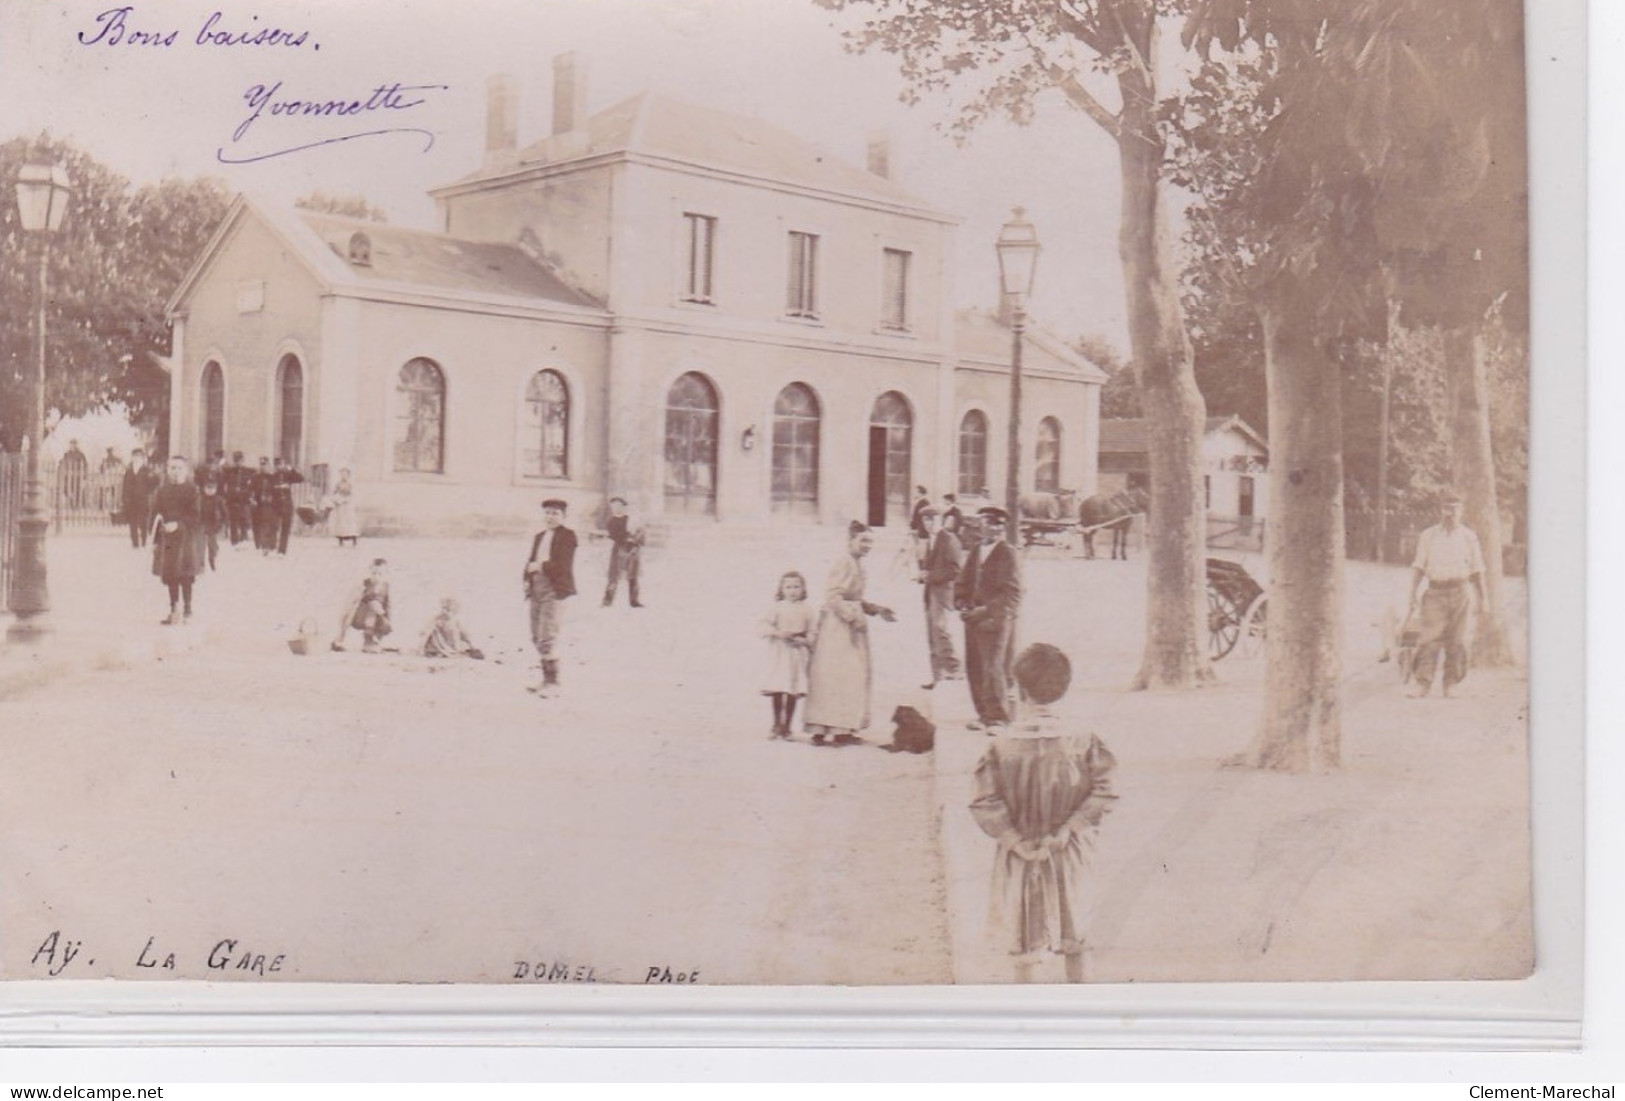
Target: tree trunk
x,y
1473,465
1176,652
1301,728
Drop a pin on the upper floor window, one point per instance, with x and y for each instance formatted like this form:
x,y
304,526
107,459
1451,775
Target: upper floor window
x,y
894,305
801,298
698,277
547,426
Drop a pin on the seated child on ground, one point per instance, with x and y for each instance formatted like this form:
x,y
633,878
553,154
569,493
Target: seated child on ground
x,y
446,637
368,610
1041,795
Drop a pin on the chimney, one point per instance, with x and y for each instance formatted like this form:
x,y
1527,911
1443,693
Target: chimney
x,y
880,154
569,93
501,116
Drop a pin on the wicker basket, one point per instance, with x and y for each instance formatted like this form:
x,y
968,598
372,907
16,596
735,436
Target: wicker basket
x,y
305,641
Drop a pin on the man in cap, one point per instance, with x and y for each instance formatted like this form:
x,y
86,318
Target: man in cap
x,y
988,595
626,549
549,579
283,479
235,488
1450,562
140,483
262,506
939,570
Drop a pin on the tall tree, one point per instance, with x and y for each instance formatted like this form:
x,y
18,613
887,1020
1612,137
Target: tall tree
x,y
1359,155
118,257
1012,51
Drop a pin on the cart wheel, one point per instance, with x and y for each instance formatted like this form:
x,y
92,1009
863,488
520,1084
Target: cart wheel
x,y
1252,627
1223,624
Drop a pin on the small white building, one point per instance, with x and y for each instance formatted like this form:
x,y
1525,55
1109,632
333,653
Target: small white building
x,y
1235,465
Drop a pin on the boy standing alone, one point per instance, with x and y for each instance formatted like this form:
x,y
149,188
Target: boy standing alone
x,y
549,579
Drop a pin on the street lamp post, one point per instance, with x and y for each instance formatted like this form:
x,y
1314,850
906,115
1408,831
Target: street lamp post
x,y
1018,260
42,200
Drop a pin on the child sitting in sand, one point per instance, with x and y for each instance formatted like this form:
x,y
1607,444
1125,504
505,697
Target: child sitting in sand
x,y
368,610
446,637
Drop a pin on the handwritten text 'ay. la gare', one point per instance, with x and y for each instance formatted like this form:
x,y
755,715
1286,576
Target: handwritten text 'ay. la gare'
x,y
59,954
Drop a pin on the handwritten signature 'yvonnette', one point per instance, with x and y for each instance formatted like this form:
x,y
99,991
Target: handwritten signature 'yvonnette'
x,y
117,27
385,98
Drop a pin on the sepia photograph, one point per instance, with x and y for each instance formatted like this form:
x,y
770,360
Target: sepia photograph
x,y
834,493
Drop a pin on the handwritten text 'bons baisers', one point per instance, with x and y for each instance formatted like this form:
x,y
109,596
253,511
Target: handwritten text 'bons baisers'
x,y
117,27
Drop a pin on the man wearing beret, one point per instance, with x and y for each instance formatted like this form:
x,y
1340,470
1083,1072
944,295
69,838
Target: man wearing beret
x,y
988,595
549,580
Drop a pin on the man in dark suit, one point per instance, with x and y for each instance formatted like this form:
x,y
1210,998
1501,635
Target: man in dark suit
x,y
988,594
235,489
283,479
549,580
939,570
140,483
262,506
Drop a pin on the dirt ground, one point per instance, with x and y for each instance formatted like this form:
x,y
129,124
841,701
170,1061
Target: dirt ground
x,y
388,818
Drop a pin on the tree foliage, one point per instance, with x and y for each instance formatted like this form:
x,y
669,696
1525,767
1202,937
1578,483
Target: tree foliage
x,y
1404,120
347,206
1120,396
119,255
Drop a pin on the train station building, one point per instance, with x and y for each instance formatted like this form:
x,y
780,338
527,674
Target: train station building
x,y
692,309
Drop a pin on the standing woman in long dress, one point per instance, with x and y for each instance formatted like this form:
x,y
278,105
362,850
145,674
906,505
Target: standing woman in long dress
x,y
841,673
342,501
177,538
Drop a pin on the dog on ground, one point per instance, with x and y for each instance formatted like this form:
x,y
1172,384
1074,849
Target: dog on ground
x,y
914,733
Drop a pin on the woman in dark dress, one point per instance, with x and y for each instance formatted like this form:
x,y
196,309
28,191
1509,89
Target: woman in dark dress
x,y
177,537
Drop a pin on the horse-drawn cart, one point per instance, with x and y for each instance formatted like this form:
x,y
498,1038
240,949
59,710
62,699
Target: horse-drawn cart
x,y
1236,606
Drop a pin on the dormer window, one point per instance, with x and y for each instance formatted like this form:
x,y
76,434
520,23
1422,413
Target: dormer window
x,y
360,249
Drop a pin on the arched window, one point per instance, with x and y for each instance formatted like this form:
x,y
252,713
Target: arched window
x,y
891,453
795,451
547,426
213,436
973,453
420,418
691,445
1047,468
290,421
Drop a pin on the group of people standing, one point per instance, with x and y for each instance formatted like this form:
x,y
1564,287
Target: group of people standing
x,y
186,511
259,502
824,654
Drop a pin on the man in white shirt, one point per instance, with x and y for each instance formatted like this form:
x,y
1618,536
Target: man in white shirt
x,y
1449,560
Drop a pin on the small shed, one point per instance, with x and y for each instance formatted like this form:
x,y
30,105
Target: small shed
x,y
1235,460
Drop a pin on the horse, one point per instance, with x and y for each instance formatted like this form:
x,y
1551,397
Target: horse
x,y
1045,514
1114,512
1055,507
